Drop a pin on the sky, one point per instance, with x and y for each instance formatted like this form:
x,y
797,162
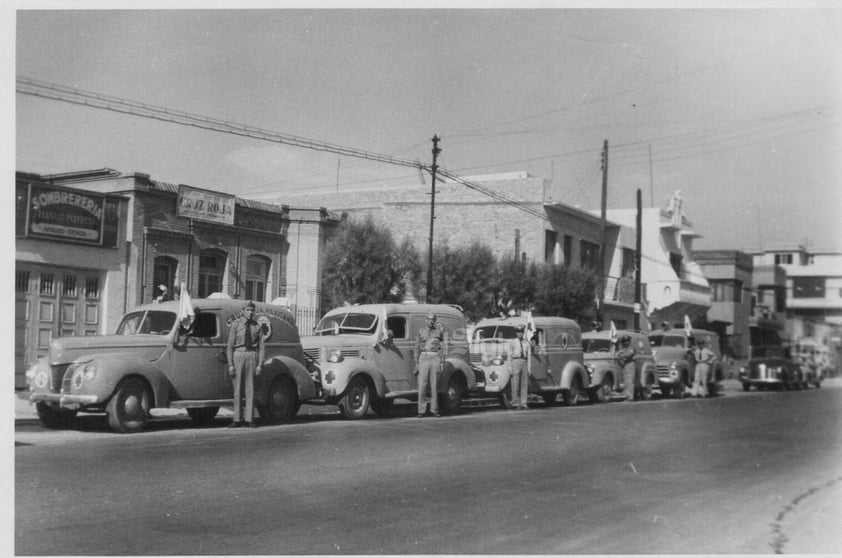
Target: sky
x,y
739,109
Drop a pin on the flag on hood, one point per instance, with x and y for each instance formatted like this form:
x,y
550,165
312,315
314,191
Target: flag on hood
x,y
531,328
613,333
688,327
186,315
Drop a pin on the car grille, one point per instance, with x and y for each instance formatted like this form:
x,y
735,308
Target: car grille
x,y
312,355
663,370
65,378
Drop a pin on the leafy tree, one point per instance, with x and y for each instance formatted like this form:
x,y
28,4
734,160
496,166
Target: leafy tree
x,y
462,276
360,266
564,291
514,285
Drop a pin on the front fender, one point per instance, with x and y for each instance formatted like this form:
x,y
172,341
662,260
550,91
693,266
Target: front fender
x,y
343,372
649,374
283,366
600,369
110,370
571,370
457,366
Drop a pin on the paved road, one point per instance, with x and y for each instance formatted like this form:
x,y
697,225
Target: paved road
x,y
743,473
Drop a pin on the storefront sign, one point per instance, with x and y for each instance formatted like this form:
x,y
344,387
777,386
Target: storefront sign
x,y
205,205
64,213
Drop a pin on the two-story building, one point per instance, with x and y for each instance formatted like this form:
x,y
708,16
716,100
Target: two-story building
x,y
92,244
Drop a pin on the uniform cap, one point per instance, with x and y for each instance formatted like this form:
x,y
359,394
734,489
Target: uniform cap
x,y
249,304
431,314
625,339
519,327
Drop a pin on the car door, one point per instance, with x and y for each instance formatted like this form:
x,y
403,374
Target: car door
x,y
395,357
199,367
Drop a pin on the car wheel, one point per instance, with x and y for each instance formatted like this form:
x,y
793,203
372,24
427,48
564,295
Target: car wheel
x,y
354,404
549,398
506,396
281,401
54,418
203,415
381,406
604,390
678,390
746,386
128,409
571,396
665,391
452,402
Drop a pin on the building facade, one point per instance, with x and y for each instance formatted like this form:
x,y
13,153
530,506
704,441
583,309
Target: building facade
x,y
91,245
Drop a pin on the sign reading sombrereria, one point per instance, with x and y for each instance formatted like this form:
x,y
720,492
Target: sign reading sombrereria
x,y
205,205
64,213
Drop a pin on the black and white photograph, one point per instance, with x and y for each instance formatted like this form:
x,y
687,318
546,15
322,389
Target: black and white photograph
x,y
454,278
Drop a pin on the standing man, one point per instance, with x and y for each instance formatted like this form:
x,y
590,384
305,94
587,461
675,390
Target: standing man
x,y
626,359
519,351
429,354
245,354
701,373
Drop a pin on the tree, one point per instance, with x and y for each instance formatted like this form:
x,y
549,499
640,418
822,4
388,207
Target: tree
x,y
514,285
463,276
360,266
564,291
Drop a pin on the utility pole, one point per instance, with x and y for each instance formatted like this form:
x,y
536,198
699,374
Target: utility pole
x,y
600,298
436,151
638,247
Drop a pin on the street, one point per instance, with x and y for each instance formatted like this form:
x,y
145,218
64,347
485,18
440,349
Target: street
x,y
744,473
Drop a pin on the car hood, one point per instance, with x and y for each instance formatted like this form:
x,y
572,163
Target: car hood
x,y
599,357
669,354
67,349
337,341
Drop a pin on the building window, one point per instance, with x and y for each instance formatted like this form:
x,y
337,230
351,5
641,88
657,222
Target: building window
x,y
589,256
568,249
91,287
550,243
629,264
211,270
808,287
163,273
46,286
738,291
727,290
783,259
257,276
22,281
69,286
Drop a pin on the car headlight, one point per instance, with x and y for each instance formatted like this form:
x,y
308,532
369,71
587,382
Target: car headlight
x,y
497,360
30,372
40,379
590,369
674,371
334,356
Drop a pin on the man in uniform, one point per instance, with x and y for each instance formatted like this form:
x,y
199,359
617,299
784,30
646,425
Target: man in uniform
x,y
429,354
519,351
626,358
701,374
245,354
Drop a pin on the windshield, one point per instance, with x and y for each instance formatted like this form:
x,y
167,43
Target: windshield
x,y
494,332
596,345
147,322
666,341
352,322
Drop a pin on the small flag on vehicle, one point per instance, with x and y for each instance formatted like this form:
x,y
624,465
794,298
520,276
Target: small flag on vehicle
x,y
613,332
186,315
688,327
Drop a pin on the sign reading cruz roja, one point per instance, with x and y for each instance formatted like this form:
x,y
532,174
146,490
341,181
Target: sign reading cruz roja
x,y
204,205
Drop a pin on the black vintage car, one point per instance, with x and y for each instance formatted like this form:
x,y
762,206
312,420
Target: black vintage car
x,y
774,368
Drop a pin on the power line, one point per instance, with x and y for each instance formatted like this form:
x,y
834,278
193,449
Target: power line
x,y
46,90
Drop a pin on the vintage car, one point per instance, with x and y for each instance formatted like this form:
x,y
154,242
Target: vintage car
x,y
363,357
774,368
606,374
673,352
556,364
153,361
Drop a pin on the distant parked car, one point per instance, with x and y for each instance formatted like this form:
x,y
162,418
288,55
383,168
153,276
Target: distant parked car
x,y
363,357
673,352
777,369
153,362
606,374
557,362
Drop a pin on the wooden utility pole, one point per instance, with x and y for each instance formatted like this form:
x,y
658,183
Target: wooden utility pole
x,y
638,247
600,298
436,151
